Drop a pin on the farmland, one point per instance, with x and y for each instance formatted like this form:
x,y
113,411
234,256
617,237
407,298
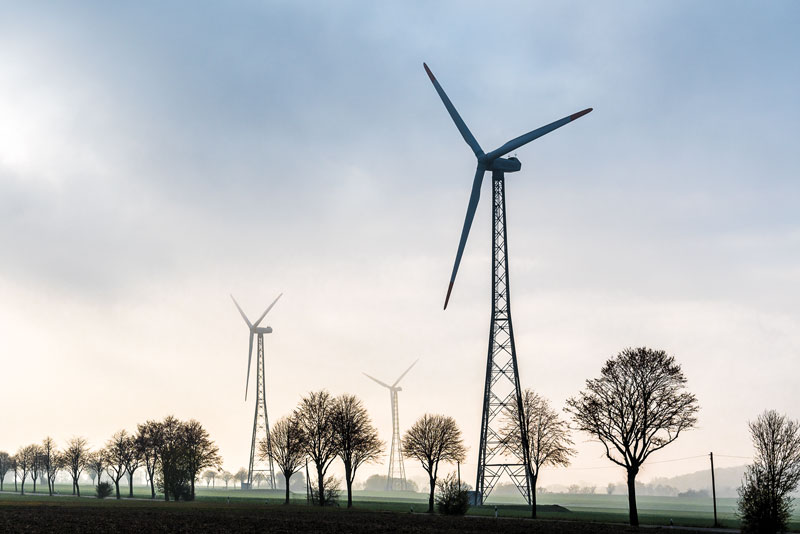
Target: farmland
x,y
233,510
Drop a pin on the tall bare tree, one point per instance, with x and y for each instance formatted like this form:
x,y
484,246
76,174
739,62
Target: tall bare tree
x,y
227,476
433,439
241,477
76,456
116,453
131,459
5,466
52,462
209,475
765,503
356,437
37,464
96,461
288,447
26,457
638,406
148,437
201,451
315,414
548,437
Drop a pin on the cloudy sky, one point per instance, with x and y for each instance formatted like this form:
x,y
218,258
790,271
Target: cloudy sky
x,y
156,157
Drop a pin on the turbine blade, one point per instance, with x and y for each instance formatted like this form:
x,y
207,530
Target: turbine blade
x,y
267,310
535,134
451,109
249,358
378,381
404,374
471,207
242,312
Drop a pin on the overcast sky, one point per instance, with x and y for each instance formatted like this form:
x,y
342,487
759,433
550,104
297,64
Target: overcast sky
x,y
155,157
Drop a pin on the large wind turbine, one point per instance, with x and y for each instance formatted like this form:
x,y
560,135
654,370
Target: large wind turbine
x,y
501,389
397,473
260,419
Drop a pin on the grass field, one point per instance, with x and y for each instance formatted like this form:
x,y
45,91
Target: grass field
x,y
656,511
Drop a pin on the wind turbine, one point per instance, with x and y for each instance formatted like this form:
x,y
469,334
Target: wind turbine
x,y
397,472
260,419
501,388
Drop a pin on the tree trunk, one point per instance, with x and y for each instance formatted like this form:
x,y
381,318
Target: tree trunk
x,y
77,488
287,488
152,485
430,498
321,485
533,496
34,483
634,513
116,483
130,485
348,478
192,486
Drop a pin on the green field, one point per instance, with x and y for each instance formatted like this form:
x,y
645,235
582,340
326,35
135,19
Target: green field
x,y
695,512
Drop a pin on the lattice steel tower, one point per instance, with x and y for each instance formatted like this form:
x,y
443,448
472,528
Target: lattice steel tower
x,y
501,389
260,418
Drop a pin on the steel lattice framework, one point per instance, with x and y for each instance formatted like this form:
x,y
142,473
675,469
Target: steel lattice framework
x,y
260,426
397,473
502,389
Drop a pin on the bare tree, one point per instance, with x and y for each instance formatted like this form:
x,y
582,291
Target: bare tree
x,y
209,476
227,476
433,439
356,437
131,459
765,504
241,476
5,466
96,461
315,414
116,455
76,456
147,440
637,407
37,464
26,457
52,462
288,447
548,437
201,451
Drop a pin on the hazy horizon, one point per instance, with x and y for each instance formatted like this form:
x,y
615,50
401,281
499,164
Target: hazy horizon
x,y
156,158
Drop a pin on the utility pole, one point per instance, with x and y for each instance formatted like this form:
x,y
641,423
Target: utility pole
x,y
713,488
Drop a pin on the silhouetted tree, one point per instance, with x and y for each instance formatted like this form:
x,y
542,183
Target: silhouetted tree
x,y
452,498
26,456
227,476
433,439
636,407
148,437
200,450
288,450
765,504
357,439
5,466
115,455
173,474
548,437
241,477
37,464
52,462
131,459
76,456
315,415
209,476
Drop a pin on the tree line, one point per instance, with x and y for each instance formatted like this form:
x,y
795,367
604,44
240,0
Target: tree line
x,y
171,452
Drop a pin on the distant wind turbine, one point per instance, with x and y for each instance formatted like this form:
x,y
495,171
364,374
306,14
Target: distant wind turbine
x,y
397,473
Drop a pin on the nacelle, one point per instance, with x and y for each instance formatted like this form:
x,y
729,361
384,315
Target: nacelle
x,y
505,165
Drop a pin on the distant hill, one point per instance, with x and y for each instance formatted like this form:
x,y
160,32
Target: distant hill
x,y
728,480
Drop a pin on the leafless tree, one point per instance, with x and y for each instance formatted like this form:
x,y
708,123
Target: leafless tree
x,y
52,462
148,437
241,476
200,451
288,447
548,437
209,476
227,476
96,461
37,464
765,504
131,459
638,406
26,457
315,414
258,478
116,455
356,437
5,466
433,439
76,456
